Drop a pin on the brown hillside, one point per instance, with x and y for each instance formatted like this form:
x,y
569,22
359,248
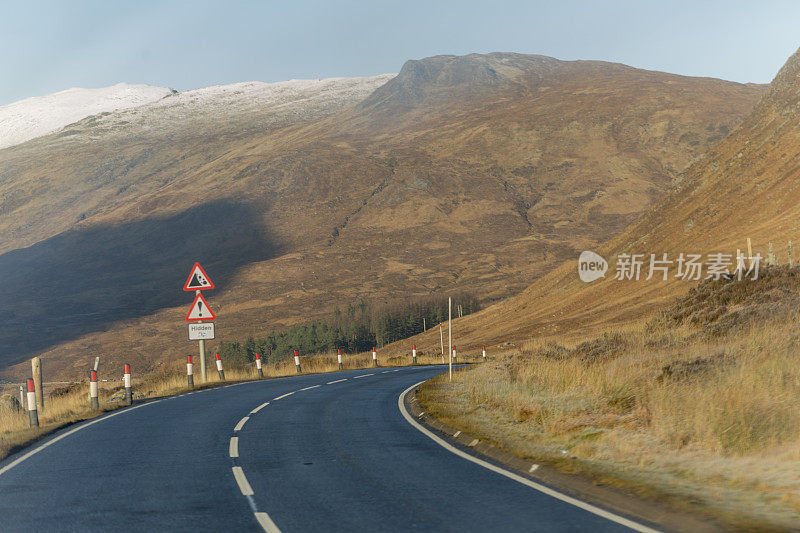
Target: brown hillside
x,y
474,172
746,186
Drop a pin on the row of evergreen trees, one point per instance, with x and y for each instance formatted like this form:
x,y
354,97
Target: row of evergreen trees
x,y
355,329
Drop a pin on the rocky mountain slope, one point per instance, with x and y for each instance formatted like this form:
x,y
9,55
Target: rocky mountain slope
x,y
745,186
480,172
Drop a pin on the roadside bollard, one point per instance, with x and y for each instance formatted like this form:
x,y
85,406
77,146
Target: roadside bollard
x,y
190,372
258,366
297,361
484,354
454,353
219,368
93,391
126,377
414,353
374,357
33,415
339,357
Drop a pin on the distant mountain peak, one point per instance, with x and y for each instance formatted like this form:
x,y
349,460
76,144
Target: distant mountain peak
x,y
445,76
784,91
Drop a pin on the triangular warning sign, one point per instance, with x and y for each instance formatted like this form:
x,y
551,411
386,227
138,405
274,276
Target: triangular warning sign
x,y
200,310
198,279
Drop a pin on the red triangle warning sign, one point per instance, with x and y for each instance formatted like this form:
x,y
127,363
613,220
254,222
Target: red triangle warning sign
x,y
198,280
200,310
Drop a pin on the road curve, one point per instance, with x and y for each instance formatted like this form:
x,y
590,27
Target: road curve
x,y
328,452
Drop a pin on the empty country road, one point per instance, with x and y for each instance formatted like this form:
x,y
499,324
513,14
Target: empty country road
x,y
327,452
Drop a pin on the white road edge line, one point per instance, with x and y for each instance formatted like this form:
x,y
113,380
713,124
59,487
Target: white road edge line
x,y
266,523
244,486
337,381
311,387
241,423
363,376
233,449
85,425
260,407
511,475
284,396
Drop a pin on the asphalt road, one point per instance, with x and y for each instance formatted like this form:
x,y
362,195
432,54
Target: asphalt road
x,y
335,454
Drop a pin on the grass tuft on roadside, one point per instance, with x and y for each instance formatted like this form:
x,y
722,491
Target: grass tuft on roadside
x,y
699,406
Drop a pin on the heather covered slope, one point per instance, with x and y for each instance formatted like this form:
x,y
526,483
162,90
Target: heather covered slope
x,y
745,186
474,172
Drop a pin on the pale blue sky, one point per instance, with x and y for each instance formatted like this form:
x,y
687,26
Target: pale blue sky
x,y
47,46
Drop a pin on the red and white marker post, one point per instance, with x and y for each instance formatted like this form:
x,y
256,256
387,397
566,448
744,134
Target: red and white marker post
x,y
258,365
219,368
374,357
190,372
454,353
93,389
33,414
126,378
484,354
339,358
414,353
297,362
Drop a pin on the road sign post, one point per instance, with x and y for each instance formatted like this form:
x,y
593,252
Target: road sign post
x,y
202,360
199,330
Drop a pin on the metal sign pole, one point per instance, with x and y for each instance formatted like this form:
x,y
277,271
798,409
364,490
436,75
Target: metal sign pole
x,y
203,360
202,353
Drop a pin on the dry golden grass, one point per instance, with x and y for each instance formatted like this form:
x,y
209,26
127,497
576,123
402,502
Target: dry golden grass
x,y
74,406
672,414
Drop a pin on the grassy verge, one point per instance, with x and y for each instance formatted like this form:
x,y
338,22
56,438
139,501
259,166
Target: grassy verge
x,y
699,407
70,404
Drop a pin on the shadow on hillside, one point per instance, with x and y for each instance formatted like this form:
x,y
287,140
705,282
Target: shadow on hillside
x,y
81,281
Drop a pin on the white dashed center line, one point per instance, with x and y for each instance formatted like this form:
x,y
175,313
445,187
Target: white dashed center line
x,y
266,522
244,486
260,407
241,423
263,518
234,447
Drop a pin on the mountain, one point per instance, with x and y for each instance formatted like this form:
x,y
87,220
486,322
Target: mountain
x,y
33,117
743,187
478,172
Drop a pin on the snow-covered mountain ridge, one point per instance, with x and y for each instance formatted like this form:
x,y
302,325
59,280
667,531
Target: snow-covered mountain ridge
x,y
129,109
33,117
